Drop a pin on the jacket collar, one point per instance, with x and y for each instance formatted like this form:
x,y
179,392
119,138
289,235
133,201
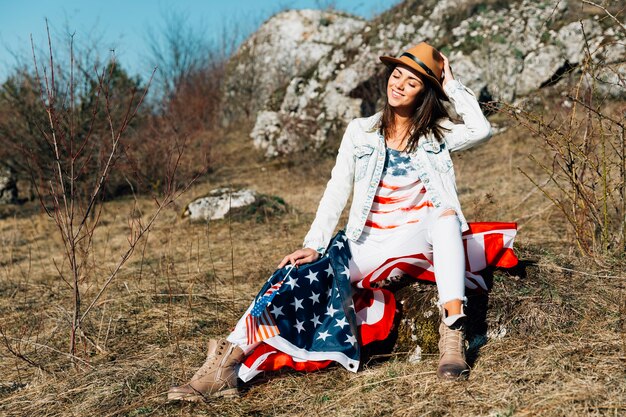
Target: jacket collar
x,y
373,122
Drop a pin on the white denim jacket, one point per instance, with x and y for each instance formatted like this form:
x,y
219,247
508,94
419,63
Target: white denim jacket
x,y
361,158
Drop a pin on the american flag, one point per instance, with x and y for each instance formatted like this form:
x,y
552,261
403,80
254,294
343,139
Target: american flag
x,y
260,324
313,313
307,317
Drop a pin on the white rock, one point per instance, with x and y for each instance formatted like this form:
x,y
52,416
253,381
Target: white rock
x,y
287,44
403,30
495,334
608,81
500,76
572,38
539,67
473,75
218,203
266,131
611,52
416,355
340,106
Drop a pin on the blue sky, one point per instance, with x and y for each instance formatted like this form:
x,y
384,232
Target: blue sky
x,y
124,25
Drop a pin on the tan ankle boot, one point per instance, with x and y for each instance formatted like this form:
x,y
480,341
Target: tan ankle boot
x,y
217,377
452,365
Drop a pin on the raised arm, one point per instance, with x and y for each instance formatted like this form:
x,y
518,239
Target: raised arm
x,y
475,128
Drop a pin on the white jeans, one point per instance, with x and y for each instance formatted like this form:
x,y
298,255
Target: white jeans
x,y
448,258
437,238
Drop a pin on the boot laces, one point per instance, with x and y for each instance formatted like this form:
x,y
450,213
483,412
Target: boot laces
x,y
451,341
211,360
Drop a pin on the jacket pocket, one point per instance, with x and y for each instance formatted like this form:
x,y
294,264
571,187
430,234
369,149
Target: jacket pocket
x,y
362,155
438,156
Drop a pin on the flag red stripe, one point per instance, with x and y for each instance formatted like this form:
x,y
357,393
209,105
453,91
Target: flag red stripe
x,y
380,330
411,208
250,325
375,225
508,259
278,359
389,200
495,252
482,227
415,271
387,267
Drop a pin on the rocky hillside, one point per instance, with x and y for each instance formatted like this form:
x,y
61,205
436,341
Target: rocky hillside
x,y
305,74
287,45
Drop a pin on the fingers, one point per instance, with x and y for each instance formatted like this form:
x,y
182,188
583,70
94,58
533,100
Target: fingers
x,y
299,257
292,258
447,69
289,259
446,62
309,258
283,262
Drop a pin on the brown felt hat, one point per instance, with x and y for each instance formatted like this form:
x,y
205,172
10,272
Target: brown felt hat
x,y
424,59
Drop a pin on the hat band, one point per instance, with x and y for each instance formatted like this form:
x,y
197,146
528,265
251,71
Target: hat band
x,y
420,63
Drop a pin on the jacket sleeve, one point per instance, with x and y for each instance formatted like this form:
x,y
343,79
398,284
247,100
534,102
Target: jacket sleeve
x,y
475,128
335,196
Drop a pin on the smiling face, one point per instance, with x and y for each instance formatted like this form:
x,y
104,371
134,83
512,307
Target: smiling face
x,y
403,87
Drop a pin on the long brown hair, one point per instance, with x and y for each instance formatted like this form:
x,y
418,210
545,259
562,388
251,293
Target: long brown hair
x,y
429,110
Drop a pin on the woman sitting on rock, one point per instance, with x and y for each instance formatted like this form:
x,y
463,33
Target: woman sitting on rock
x,y
405,218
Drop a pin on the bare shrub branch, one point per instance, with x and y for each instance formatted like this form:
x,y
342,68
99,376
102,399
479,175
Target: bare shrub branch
x,y
75,155
585,144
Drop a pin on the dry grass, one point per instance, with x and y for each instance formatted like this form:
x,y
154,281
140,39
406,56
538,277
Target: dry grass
x,y
562,354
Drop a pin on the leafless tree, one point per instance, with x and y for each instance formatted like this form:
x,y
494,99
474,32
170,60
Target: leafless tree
x,y
72,189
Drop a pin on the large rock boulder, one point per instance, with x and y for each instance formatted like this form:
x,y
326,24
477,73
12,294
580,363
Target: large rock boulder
x,y
539,67
416,327
288,44
502,51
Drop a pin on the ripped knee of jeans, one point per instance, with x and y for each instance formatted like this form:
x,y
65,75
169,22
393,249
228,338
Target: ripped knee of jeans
x,y
445,219
448,216
448,213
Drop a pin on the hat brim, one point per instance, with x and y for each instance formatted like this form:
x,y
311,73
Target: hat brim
x,y
392,61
